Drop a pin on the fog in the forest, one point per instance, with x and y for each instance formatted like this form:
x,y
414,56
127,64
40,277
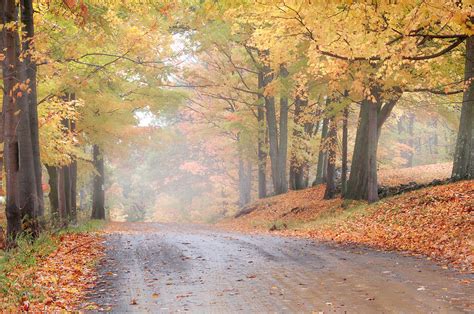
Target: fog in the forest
x,y
188,167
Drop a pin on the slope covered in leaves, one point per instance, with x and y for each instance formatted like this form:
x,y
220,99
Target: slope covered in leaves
x,y
436,222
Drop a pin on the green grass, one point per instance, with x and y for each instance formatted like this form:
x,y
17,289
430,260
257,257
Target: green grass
x,y
334,216
85,227
325,219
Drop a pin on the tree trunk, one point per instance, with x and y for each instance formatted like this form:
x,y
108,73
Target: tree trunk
x,y
331,144
67,191
98,196
245,182
82,199
298,168
345,135
364,158
270,114
73,171
53,193
10,120
73,175
62,197
372,141
320,171
31,71
463,166
283,144
262,154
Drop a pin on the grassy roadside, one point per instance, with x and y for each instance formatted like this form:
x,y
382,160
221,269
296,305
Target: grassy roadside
x,y
435,222
39,275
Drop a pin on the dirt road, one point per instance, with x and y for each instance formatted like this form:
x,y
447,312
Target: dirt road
x,y
171,268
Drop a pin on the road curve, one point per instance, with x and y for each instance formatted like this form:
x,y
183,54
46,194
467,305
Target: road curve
x,y
173,268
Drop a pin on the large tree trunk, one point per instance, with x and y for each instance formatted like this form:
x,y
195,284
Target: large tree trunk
x,y
322,157
10,119
262,154
18,141
463,166
98,195
331,144
345,135
364,160
29,29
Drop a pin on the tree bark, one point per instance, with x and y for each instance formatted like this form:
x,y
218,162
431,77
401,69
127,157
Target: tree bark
x,y
299,168
10,119
320,171
73,173
62,197
32,98
262,154
283,144
463,165
270,114
22,191
98,196
345,135
330,191
245,182
53,193
372,140
67,191
364,158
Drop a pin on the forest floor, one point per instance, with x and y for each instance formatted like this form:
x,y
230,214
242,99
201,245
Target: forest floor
x,y
51,274
152,267
436,222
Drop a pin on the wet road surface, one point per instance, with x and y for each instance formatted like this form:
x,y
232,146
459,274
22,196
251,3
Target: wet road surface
x,y
172,268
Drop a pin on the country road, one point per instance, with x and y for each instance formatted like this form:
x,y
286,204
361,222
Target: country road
x,y
172,268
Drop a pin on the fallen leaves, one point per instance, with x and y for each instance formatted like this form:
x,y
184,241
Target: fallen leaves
x,y
59,281
437,222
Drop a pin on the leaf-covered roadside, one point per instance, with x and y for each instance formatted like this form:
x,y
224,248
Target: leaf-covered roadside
x,y
59,272
437,222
